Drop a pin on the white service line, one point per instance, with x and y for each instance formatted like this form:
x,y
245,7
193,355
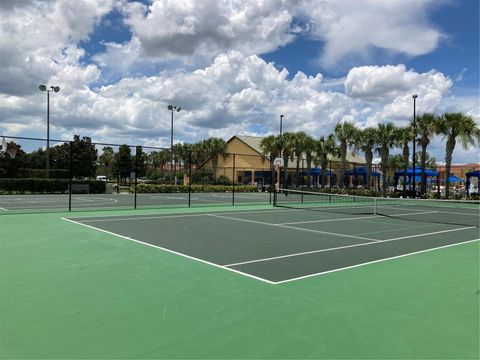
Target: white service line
x,y
140,217
170,251
431,233
295,228
344,247
373,262
329,220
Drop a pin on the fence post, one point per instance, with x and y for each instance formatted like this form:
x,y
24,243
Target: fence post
x,y
71,176
233,182
189,178
136,176
330,177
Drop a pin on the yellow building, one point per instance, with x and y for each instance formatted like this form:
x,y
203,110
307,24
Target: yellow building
x,y
244,156
246,163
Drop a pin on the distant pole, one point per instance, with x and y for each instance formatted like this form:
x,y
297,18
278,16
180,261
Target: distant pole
x,y
172,108
281,146
54,89
414,141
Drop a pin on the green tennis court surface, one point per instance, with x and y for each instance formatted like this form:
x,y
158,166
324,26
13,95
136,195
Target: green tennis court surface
x,y
57,202
247,282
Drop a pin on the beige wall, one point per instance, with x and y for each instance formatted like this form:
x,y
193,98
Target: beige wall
x,y
246,159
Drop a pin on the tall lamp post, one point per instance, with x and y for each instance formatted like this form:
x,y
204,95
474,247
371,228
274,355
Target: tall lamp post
x,y
281,147
54,89
414,141
172,109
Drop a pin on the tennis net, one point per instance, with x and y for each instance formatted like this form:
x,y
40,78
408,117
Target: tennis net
x,y
463,213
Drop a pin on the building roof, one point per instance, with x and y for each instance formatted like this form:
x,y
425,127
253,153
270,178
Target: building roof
x,y
252,141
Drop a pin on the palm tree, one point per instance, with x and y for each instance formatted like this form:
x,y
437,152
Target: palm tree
x,y
385,140
271,147
287,140
107,158
365,140
309,148
456,126
426,127
345,134
300,140
403,137
214,148
324,147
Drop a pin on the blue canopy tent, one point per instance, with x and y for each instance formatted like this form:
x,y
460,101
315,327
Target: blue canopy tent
x,y
315,174
453,179
469,175
417,170
360,171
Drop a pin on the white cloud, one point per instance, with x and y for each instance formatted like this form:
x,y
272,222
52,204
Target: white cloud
x,y
353,29
41,38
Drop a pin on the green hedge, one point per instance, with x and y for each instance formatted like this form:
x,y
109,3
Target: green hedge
x,y
165,188
49,186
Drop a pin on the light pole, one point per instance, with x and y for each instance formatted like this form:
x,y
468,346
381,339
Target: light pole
x,y
414,140
172,108
54,89
281,147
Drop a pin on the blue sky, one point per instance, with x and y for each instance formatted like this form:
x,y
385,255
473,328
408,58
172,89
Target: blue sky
x,y
234,66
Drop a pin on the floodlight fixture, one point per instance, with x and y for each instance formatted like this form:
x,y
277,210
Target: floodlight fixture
x,y
56,89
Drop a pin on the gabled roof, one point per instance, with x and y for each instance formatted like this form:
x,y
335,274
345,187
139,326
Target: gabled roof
x,y
254,142
251,141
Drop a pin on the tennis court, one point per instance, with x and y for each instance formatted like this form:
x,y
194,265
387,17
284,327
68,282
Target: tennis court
x,y
283,245
313,277
123,200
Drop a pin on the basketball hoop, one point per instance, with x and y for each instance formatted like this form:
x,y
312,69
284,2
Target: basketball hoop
x,y
278,162
12,152
3,148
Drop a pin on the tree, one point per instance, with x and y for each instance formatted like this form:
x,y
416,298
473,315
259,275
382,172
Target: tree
x,y
271,147
106,159
9,166
287,142
215,147
123,161
301,144
386,139
345,134
324,147
403,137
365,141
83,157
456,126
426,127
140,160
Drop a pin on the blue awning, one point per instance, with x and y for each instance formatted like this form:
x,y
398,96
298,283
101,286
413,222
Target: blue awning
x,y
474,173
418,171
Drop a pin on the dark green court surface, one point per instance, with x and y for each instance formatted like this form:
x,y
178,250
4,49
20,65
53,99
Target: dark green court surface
x,y
237,283
283,245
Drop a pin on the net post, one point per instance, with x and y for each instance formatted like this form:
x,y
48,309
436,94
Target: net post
x,y
375,205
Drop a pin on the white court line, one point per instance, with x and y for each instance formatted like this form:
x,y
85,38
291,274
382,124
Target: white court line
x,y
431,233
345,247
139,217
295,228
170,251
3,209
329,220
374,261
